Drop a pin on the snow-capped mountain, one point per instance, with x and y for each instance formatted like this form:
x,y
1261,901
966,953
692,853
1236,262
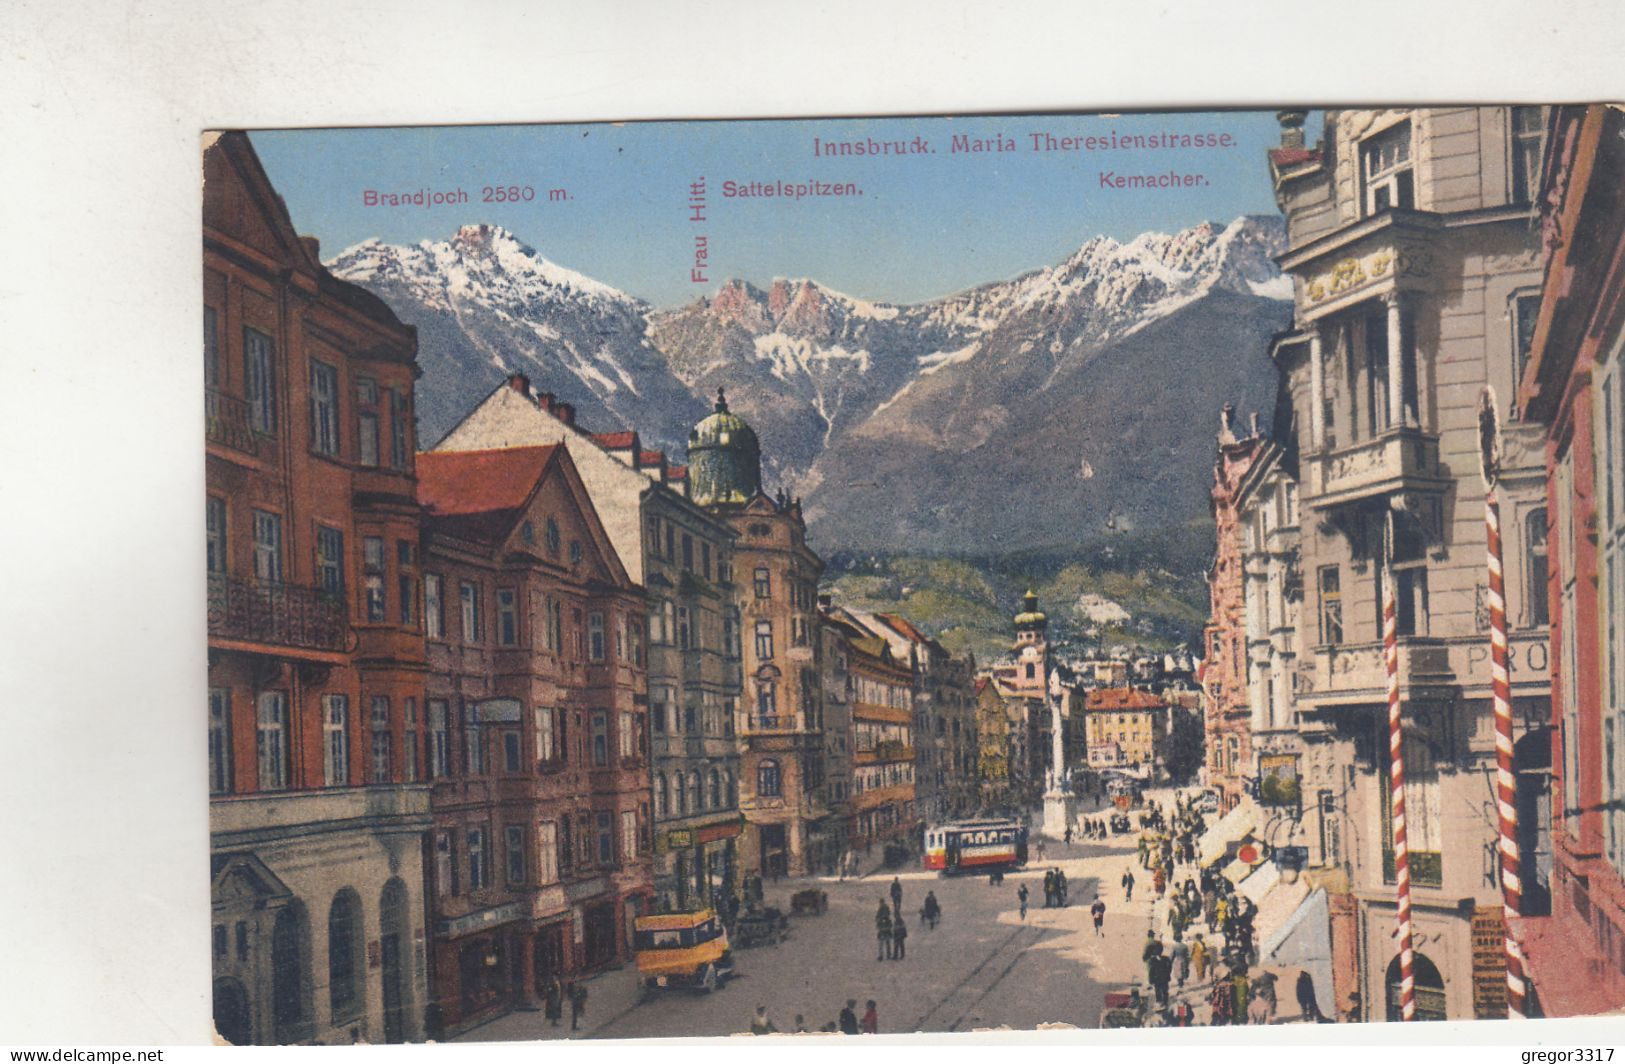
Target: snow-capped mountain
x,y
486,305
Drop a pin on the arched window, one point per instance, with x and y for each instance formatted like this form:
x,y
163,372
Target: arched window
x,y
662,796
716,789
290,948
1429,990
344,957
733,790
682,795
767,779
697,790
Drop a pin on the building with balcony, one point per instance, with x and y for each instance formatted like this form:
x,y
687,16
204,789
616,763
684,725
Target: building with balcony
x,y
1226,713
683,557
1415,272
838,689
882,805
789,828
537,730
1574,387
318,805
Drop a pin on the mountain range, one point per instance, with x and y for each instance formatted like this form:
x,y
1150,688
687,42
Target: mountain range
x,y
1074,401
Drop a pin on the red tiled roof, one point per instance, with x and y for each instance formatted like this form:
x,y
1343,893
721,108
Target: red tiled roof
x,y
478,482
1120,698
904,627
1293,156
615,441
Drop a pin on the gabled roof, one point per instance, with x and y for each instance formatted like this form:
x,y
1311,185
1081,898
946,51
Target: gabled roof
x,y
458,483
1108,699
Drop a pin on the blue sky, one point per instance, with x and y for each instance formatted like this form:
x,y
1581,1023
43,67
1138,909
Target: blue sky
x,y
925,224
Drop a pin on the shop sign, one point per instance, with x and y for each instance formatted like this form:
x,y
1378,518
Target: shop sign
x,y
1489,963
454,926
679,839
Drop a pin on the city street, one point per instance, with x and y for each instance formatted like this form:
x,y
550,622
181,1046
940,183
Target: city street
x,y
983,966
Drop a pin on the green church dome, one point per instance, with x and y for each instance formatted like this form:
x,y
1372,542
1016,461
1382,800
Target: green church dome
x,y
1030,616
724,459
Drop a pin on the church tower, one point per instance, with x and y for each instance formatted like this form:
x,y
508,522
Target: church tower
x,y
1031,648
724,459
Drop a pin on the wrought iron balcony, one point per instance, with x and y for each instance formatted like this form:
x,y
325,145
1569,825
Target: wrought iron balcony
x,y
278,614
226,422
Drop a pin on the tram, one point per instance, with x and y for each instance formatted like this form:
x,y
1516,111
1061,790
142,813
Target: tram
x,y
975,846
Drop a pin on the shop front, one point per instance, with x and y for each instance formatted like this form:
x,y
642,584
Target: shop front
x,y
477,961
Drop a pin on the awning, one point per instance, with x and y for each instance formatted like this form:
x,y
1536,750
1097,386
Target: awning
x,y
1234,826
1304,941
1237,871
1258,884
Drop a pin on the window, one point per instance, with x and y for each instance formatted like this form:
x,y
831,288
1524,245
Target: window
x,y
336,740
730,632
1410,579
344,936
767,704
544,733
219,740
434,616
1528,124
381,767
732,787
600,738
681,782
215,512
211,349
330,561
566,848
410,740
1536,612
407,583
476,858
267,547
271,740
627,736
547,853
324,409
259,382
1567,674
514,849
629,834
473,626
439,740
507,617
400,431
764,640
366,399
767,779
372,573
1385,164
595,636
688,552
575,552
1525,313
512,759
705,559
763,584
555,626
1331,606
689,723
716,789
1609,473
473,742
657,710
445,867
552,536
662,796
606,839
685,635
671,542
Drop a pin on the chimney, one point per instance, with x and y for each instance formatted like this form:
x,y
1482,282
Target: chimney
x,y
313,246
1291,127
1227,425
566,413
519,383
545,401
1253,426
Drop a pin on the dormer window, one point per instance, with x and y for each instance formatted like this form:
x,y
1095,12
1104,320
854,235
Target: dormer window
x,y
1385,166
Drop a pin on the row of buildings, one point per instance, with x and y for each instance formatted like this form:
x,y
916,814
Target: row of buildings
x,y
472,710
1434,253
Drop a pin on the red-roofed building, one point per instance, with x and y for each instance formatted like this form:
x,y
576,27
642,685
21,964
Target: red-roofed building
x,y
1125,727
537,738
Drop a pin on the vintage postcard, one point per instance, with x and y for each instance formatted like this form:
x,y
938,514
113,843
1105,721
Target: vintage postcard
x,y
915,574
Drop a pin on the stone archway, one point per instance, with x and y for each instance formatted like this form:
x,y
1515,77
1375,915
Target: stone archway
x,y
232,1019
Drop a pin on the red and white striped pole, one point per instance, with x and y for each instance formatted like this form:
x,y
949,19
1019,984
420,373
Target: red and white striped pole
x,y
1501,694
1396,778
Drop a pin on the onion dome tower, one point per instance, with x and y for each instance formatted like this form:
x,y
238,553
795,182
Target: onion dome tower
x,y
724,459
1031,623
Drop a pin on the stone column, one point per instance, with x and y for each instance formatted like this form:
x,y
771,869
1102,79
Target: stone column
x,y
1397,414
1317,392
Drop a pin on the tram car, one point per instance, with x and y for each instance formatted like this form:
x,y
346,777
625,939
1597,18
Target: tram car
x,y
975,846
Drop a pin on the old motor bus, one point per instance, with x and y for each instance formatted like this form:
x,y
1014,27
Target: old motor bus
x,y
975,846
682,949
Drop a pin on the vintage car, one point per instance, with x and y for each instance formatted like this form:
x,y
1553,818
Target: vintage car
x,y
681,949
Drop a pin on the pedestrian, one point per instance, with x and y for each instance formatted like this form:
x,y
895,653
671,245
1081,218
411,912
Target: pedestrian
x,y
1307,1004
1161,969
899,932
871,1020
1098,911
1021,893
578,1004
1040,851
761,1024
1128,884
932,911
553,1002
897,894
1239,994
1199,958
1182,1013
1060,888
1264,1003
883,932
1159,881
1182,960
1068,836
1150,951
849,1017
1049,887
1220,999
